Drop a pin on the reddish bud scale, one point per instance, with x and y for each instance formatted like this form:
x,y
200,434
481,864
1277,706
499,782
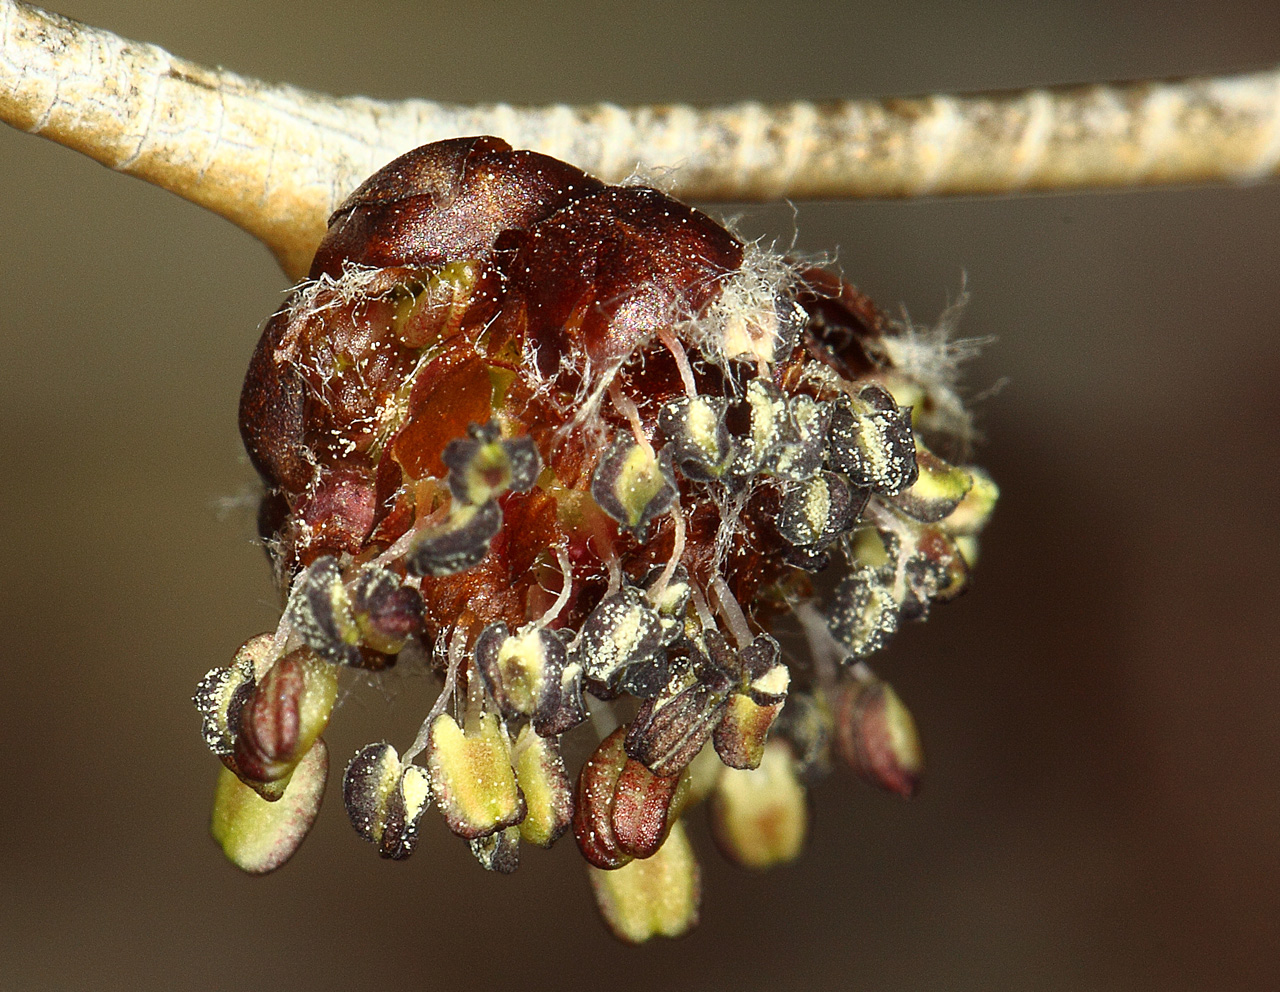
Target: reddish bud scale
x,y
347,415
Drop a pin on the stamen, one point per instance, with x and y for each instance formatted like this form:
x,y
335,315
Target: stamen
x,y
700,607
614,565
731,612
405,541
457,653
673,345
677,552
627,407
284,629
566,588
603,720
826,652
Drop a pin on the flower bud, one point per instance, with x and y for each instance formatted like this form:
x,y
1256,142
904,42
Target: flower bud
x,y
863,614
222,696
484,466
972,513
806,724
695,428
288,710
898,575
357,628
935,569
461,542
759,817
522,670
817,511
320,611
471,776
644,806
593,806
871,442
765,677
670,730
223,692
673,600
799,449
385,799
633,485
432,310
937,491
623,632
570,708
498,851
876,737
740,736
259,836
768,420
653,897
387,612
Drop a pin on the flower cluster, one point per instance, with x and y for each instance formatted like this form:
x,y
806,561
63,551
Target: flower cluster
x,y
584,451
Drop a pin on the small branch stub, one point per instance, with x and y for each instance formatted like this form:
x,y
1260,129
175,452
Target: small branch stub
x,y
277,160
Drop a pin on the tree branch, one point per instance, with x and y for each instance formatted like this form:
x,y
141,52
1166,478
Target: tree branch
x,y
277,160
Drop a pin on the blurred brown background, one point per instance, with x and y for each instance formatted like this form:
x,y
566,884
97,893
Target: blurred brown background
x,y
1101,712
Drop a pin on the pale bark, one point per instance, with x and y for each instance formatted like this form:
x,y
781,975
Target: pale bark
x,y
277,160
